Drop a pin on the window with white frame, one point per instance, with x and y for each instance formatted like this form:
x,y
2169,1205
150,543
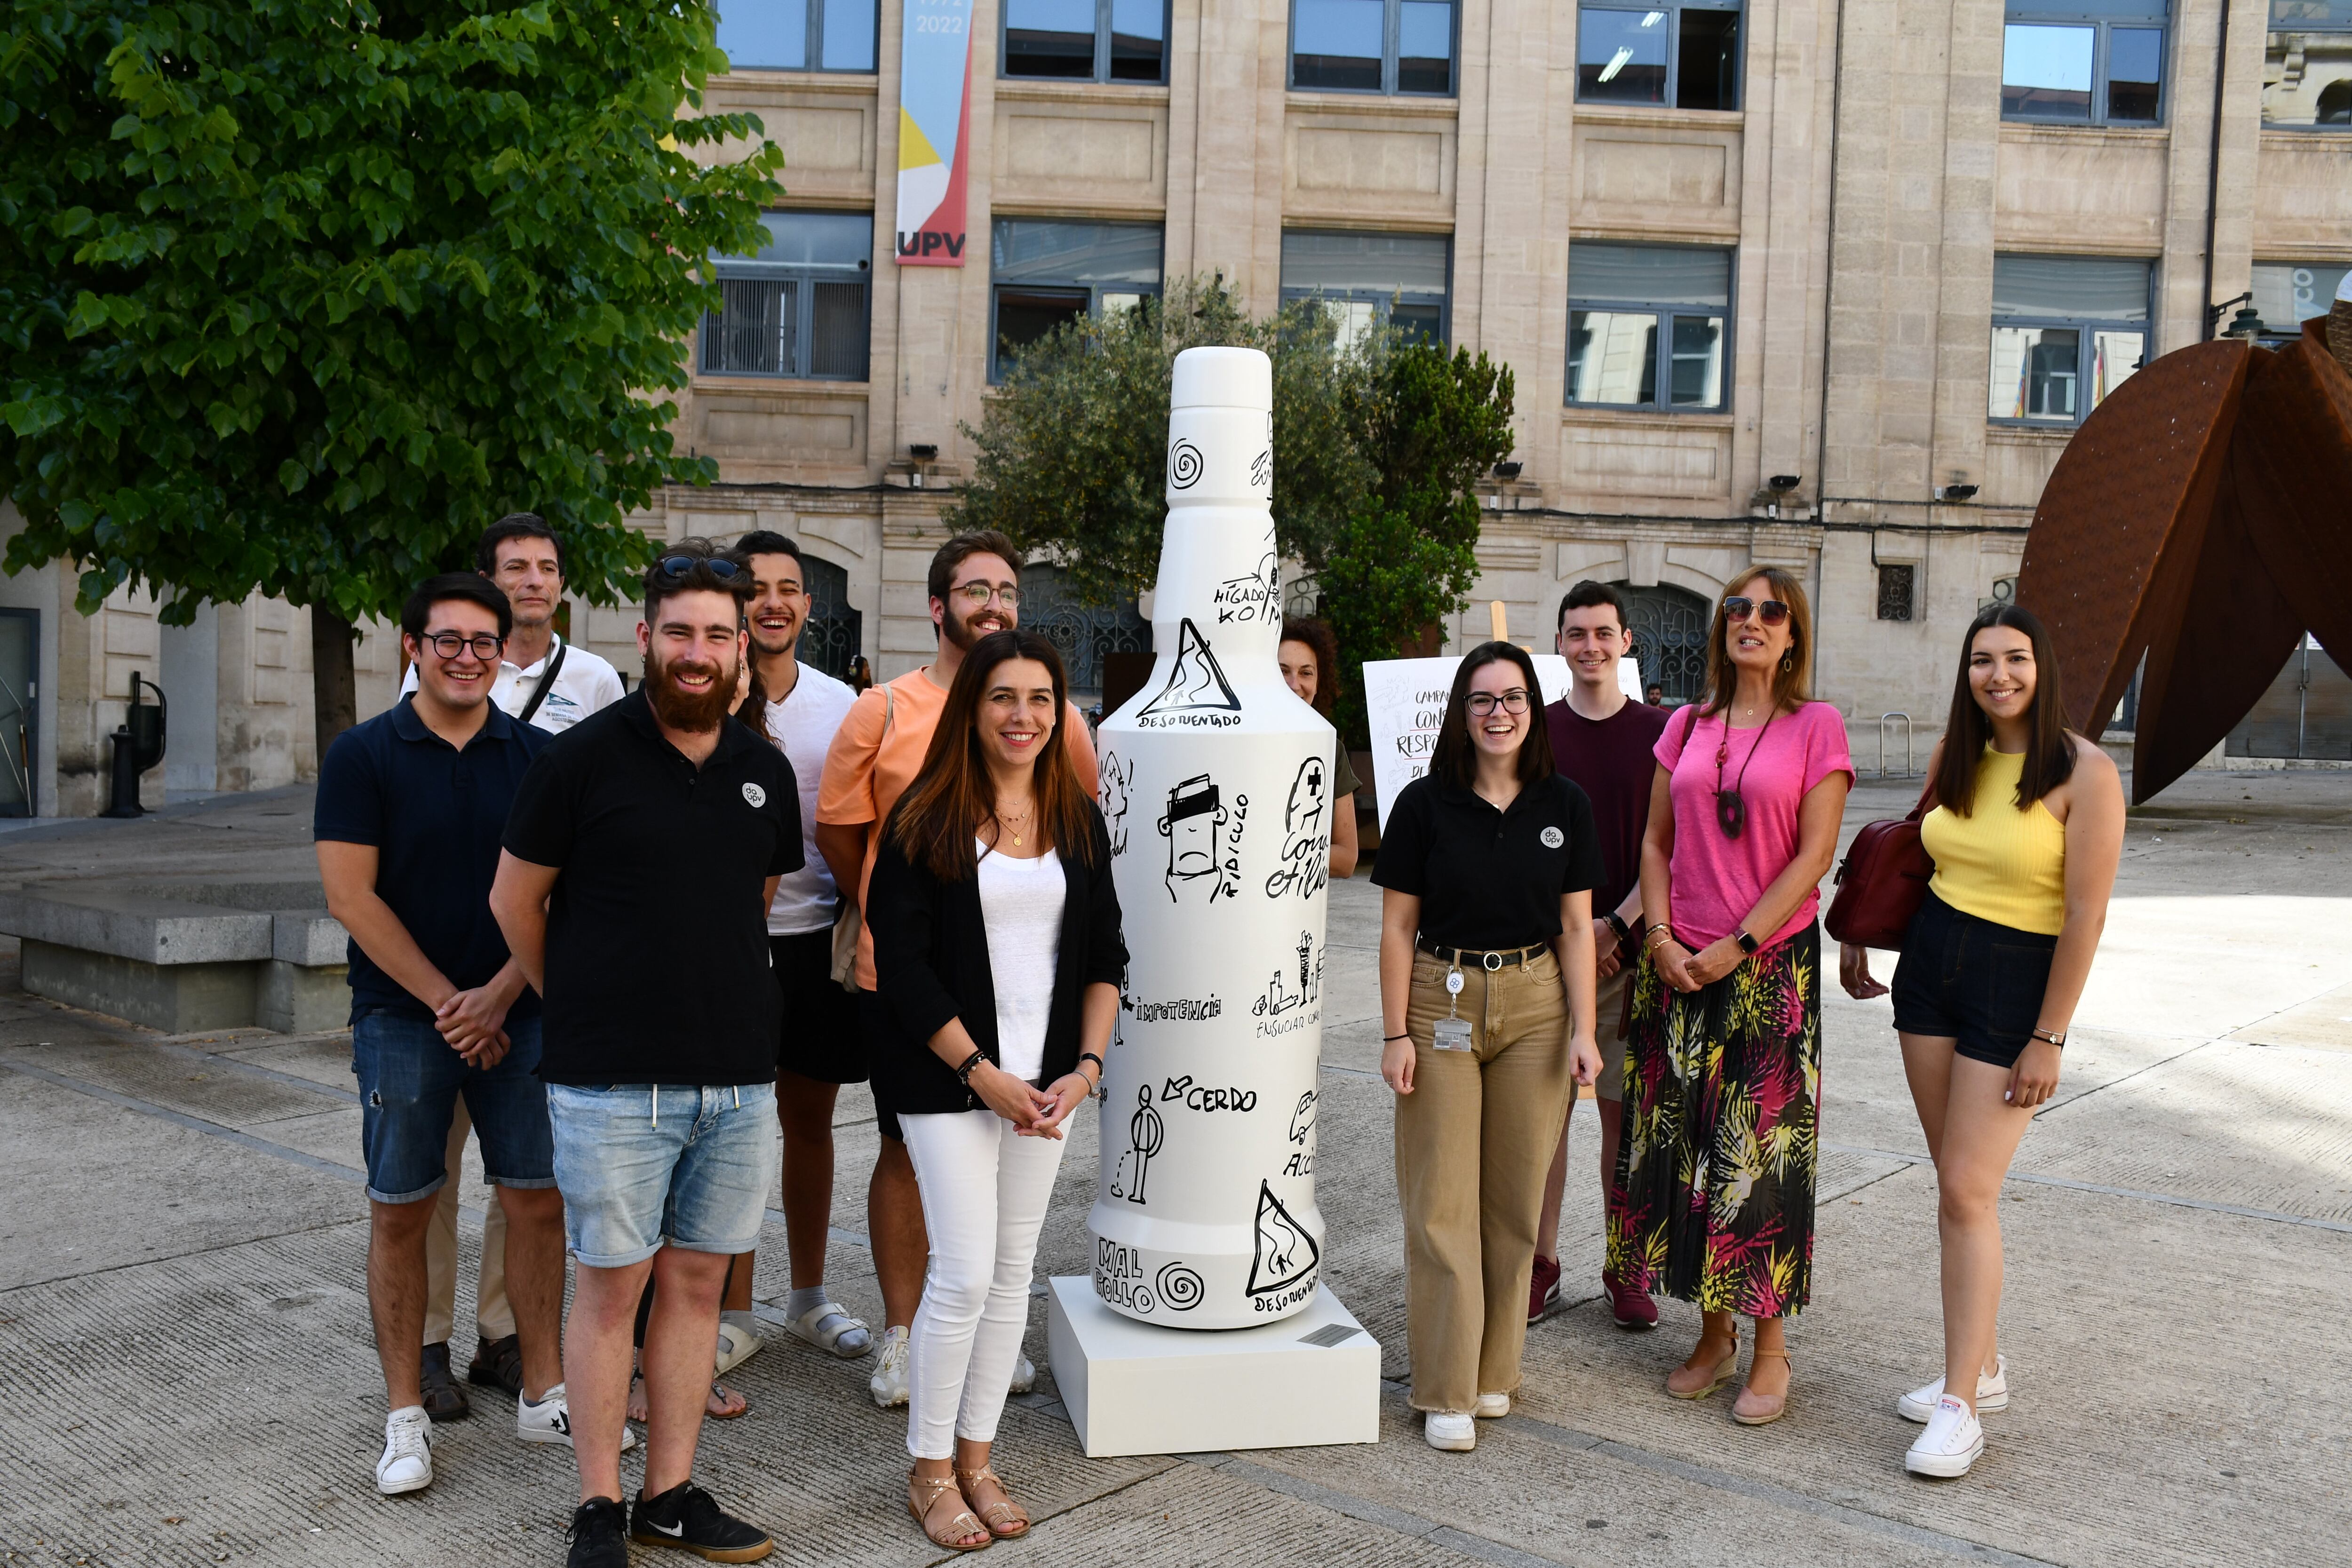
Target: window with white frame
x,y
1649,326
2289,293
2307,65
1372,46
2084,62
2066,332
801,306
1371,280
1680,53
1086,40
1043,272
798,35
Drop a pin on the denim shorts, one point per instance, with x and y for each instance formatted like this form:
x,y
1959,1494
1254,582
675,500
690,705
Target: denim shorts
x,y
409,1083
1972,980
645,1165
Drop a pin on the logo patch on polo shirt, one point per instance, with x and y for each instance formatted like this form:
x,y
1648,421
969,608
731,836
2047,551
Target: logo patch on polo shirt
x,y
1552,836
758,797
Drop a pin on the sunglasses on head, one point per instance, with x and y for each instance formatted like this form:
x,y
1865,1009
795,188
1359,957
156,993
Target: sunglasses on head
x,y
679,567
1739,607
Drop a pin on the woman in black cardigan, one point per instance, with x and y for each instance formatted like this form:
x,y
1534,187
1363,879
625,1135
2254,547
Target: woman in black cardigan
x,y
997,946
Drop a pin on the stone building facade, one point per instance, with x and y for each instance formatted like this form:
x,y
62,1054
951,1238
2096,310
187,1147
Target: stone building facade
x,y
1826,283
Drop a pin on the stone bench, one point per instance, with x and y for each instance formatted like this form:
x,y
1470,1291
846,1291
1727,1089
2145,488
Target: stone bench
x,y
181,955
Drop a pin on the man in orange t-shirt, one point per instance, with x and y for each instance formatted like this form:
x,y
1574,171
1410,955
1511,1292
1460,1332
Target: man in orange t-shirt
x,y
975,589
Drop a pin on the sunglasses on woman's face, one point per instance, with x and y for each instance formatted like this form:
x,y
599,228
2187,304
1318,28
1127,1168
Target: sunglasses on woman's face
x,y
1739,607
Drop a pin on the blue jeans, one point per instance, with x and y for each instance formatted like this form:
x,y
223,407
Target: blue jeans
x,y
645,1165
409,1083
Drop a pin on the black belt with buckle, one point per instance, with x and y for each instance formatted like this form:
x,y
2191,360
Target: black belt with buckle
x,y
1482,958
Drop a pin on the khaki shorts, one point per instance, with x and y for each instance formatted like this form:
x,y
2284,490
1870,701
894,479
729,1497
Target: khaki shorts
x,y
1609,1015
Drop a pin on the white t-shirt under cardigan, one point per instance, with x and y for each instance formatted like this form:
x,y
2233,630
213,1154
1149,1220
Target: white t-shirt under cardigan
x,y
1020,905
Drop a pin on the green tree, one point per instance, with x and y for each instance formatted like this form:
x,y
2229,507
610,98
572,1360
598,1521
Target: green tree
x,y
296,295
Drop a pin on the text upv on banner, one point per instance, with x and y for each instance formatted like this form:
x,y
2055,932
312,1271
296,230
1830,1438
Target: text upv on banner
x,y
1404,703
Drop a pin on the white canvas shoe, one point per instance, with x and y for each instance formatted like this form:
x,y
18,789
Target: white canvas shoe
x,y
1950,1443
1992,1394
1492,1406
408,1462
888,1384
1456,1431
550,1420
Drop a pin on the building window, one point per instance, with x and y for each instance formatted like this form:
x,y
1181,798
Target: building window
x,y
1086,40
2084,62
2289,293
1371,280
1894,592
1623,302
1372,46
800,307
1046,271
798,35
1683,54
2066,332
2307,64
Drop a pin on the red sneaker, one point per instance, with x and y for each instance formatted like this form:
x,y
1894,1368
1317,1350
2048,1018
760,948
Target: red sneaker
x,y
1633,1309
1543,1288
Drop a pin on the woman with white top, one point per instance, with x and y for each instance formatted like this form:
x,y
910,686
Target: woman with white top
x,y
996,940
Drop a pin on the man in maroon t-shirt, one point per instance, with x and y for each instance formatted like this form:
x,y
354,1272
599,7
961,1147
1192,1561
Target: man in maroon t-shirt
x,y
1601,740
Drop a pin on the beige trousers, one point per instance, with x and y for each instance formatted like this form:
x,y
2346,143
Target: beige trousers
x,y
493,1318
1474,1142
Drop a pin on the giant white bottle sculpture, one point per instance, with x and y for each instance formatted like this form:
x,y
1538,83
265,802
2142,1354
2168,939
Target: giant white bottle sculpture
x,y
1216,780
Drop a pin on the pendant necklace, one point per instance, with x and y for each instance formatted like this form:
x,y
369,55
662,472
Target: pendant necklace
x,y
1024,819
1730,807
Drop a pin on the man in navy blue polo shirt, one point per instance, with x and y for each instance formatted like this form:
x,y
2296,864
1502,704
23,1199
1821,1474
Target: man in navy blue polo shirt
x,y
410,808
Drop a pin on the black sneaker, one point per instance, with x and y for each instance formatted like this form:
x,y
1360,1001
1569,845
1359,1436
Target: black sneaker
x,y
685,1516
599,1533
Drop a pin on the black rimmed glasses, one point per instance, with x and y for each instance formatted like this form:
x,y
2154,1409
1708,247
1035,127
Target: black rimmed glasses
x,y
977,594
679,567
1484,703
450,645
1739,607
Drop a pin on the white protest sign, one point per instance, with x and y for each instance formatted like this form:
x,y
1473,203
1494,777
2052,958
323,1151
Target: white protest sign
x,y
1404,703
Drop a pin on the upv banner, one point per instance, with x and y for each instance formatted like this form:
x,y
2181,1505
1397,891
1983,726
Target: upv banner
x,y
1404,702
934,127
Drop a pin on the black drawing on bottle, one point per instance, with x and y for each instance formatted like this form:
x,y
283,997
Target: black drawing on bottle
x,y
1287,1255
1305,864
1302,1138
1144,1133
1183,466
1180,1287
1293,988
1262,470
1117,776
1204,840
1196,683
1252,596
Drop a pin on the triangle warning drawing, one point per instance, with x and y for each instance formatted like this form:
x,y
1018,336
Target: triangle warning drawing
x,y
1287,1255
1197,683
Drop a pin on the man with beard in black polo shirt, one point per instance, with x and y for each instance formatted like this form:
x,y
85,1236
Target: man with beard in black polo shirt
x,y
640,859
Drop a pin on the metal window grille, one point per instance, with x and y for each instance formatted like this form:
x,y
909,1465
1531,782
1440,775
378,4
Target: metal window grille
x,y
802,327
1894,588
1669,627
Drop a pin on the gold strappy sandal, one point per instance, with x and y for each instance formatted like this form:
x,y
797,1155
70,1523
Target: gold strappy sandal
x,y
928,1489
1006,1520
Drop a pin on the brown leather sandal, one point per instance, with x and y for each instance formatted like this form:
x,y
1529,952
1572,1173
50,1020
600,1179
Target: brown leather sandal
x,y
1768,1407
1006,1520
923,1492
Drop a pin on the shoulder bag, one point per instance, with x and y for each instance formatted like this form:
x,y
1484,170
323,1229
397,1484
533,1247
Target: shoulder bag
x,y
1882,880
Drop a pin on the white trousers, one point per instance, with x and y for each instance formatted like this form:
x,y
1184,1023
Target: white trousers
x,y
984,1194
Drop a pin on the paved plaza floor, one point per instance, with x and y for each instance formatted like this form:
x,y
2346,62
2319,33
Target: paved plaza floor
x,y
186,1373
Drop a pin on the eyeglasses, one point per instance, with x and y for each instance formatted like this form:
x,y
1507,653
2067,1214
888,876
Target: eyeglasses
x,y
682,566
450,645
1739,607
1514,702
977,594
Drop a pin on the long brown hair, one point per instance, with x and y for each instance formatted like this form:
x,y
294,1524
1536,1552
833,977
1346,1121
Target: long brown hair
x,y
1454,758
2049,750
1791,681
953,797
1318,636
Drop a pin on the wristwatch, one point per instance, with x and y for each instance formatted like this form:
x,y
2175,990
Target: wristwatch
x,y
1747,942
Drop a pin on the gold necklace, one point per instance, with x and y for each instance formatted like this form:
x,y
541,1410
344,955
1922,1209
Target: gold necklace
x,y
1024,819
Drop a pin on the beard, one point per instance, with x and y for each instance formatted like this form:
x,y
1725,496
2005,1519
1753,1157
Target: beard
x,y
963,632
696,712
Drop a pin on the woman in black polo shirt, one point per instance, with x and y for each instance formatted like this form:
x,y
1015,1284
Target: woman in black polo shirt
x,y
1486,984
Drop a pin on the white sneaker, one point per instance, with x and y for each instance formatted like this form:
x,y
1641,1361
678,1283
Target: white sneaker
x,y
1992,1394
550,1420
1950,1443
1492,1406
739,1340
1456,1431
888,1384
408,1462
829,1327
1025,1376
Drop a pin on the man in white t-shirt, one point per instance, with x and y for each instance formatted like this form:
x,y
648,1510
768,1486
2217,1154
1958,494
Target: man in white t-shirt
x,y
550,685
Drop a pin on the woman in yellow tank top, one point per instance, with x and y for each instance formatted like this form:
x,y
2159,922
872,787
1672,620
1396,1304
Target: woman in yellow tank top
x,y
2026,836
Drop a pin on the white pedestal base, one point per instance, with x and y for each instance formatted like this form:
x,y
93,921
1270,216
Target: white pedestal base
x,y
1134,1388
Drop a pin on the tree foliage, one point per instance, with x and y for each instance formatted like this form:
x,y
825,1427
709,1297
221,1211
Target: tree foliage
x,y
297,295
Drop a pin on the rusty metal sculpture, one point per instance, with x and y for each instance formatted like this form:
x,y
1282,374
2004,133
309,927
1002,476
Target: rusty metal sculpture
x,y
2201,517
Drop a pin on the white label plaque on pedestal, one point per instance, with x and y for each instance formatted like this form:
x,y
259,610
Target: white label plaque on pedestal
x,y
1130,1387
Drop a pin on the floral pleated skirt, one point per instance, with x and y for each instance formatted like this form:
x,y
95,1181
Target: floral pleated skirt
x,y
1714,1195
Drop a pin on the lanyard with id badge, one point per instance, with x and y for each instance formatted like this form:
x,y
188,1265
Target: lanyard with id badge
x,y
1451,1033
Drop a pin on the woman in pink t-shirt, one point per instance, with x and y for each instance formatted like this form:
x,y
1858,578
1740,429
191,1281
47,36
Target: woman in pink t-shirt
x,y
1716,1164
